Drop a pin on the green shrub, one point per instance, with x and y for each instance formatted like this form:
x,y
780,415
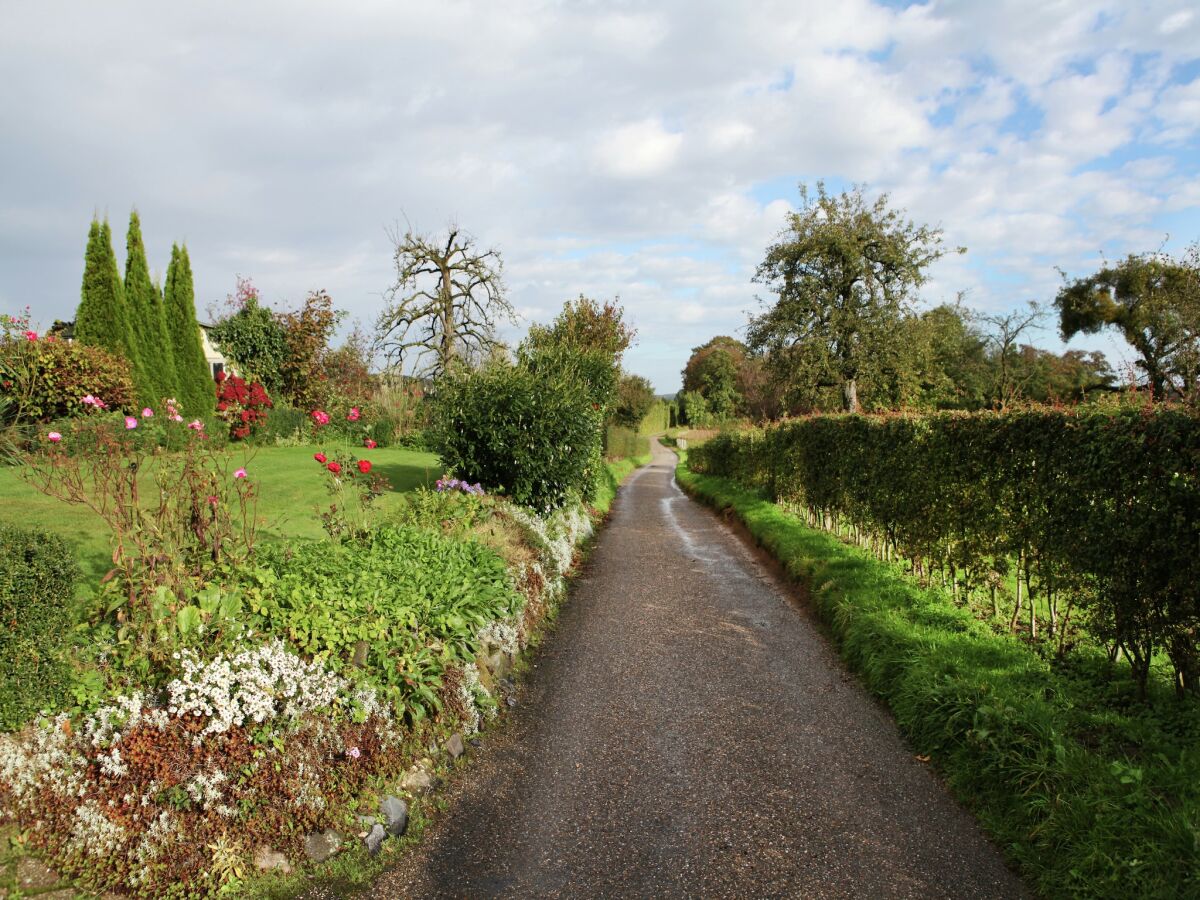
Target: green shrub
x,y
415,597
284,424
533,435
45,379
37,583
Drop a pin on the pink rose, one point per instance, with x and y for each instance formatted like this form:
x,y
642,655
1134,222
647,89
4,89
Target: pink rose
x,y
196,425
352,416
130,422
54,437
147,413
240,473
31,335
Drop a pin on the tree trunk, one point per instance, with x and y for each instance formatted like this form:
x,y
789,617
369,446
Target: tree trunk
x,y
850,395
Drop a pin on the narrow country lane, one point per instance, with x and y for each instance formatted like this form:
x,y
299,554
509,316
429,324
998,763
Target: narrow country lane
x,y
689,732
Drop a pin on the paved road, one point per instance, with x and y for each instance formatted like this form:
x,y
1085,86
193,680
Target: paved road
x,y
689,732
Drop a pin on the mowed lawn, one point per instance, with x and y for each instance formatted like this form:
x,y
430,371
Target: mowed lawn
x,y
292,493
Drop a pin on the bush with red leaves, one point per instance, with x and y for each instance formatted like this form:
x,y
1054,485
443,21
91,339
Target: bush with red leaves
x,y
243,405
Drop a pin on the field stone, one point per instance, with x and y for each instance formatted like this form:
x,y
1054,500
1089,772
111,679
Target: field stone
x,y
499,664
34,875
455,746
321,845
417,781
395,815
485,674
375,839
266,859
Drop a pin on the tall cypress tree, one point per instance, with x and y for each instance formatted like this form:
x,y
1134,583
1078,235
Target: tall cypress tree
x,y
102,319
151,341
195,384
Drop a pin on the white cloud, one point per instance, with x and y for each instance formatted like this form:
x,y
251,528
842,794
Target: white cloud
x,y
646,151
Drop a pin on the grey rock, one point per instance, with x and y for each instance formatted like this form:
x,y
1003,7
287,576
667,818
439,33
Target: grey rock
x,y
475,742
34,875
417,781
455,746
499,664
321,845
367,822
266,859
511,701
395,815
375,839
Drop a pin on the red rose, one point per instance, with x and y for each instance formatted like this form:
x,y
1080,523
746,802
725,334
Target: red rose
x,y
319,457
364,466
334,468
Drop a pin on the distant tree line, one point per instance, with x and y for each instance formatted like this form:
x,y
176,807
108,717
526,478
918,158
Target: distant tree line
x,y
842,331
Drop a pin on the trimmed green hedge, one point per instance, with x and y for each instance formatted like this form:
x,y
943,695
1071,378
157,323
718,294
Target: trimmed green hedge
x,y
1089,794
1098,508
37,585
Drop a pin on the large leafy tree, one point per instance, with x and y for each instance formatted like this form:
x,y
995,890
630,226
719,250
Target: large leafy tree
x,y
151,341
195,384
713,370
845,273
444,305
102,319
1153,300
585,341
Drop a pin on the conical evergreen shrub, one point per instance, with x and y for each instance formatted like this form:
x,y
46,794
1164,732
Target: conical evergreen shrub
x,y
151,341
196,391
102,319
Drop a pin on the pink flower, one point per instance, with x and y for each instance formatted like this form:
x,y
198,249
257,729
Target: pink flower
x,y
31,335
240,473
196,425
369,444
354,753
352,416
130,422
89,400
176,417
320,457
320,417
147,413
54,437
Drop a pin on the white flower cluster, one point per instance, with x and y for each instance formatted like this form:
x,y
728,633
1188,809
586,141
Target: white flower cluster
x,y
94,832
205,788
42,757
556,535
105,726
253,686
469,687
151,844
499,635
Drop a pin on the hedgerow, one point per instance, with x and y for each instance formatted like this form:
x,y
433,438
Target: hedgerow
x,y
1090,792
1092,511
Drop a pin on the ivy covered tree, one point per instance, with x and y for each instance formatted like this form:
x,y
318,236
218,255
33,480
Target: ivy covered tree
x,y
1154,302
845,273
154,361
252,337
195,384
102,319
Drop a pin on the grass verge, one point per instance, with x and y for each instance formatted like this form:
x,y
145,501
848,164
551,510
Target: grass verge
x,y
1090,793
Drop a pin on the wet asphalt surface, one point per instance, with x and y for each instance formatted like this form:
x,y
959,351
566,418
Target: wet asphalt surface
x,y
688,731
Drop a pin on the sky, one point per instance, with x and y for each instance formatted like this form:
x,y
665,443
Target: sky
x,y
650,151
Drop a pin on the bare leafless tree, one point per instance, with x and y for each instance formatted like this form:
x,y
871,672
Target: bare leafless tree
x,y
1002,332
444,303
